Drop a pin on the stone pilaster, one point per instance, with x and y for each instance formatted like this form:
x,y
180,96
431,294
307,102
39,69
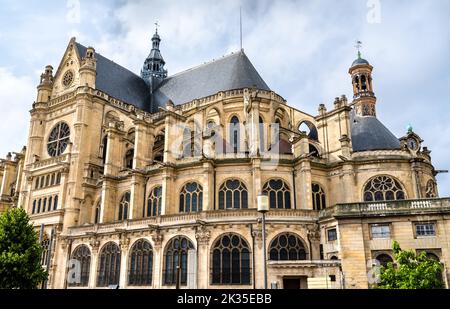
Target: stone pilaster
x,y
203,236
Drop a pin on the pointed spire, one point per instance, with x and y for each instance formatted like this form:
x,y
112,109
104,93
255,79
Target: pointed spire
x,y
153,71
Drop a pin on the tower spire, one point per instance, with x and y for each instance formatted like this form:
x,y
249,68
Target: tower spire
x,y
153,71
358,48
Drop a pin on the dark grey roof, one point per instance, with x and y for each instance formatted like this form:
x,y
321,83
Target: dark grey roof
x,y
368,133
119,82
231,72
360,61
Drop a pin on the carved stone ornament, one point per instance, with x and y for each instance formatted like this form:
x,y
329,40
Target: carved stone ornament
x,y
202,235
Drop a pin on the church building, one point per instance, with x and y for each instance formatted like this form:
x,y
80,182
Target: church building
x,y
152,180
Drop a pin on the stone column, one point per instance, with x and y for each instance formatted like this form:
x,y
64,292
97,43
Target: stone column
x,y
95,244
208,186
303,183
203,236
169,196
258,267
124,243
348,190
143,144
137,196
158,259
257,183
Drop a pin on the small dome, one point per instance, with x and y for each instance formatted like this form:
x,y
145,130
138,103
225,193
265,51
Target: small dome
x,y
359,61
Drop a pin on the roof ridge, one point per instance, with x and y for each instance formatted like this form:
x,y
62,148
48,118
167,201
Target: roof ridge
x,y
207,63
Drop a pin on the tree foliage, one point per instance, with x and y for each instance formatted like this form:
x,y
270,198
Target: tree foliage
x,y
411,271
20,252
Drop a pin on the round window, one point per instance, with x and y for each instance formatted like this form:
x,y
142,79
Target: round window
x,y
58,139
67,78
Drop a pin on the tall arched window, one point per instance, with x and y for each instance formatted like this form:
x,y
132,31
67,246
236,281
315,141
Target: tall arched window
x,y
124,206
104,149
97,213
83,255
141,263
52,179
44,205
55,203
318,197
262,145
233,194
154,202
383,188
50,203
36,185
45,244
279,194
129,155
176,255
188,143
384,259
34,207
109,267
234,134
287,246
191,197
39,206
231,260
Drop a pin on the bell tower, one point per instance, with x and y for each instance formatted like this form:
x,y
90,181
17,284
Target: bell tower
x,y
364,99
153,71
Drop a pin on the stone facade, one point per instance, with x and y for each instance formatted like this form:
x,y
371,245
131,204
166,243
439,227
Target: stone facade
x,y
95,188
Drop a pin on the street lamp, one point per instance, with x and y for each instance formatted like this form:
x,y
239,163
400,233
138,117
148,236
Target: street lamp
x,y
263,207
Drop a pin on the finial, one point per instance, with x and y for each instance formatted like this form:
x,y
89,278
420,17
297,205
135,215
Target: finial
x,y
156,27
358,47
409,128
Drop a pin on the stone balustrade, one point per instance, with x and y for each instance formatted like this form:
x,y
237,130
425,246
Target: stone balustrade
x,y
403,207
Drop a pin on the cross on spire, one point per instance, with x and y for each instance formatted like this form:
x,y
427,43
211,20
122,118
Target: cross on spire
x,y
358,47
156,27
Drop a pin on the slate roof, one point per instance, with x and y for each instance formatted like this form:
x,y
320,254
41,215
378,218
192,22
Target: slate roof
x,y
119,82
234,71
368,133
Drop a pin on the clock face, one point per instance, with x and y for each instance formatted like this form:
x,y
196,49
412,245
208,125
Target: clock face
x,y
412,143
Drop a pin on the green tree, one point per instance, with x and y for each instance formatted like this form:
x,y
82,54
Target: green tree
x,y
20,252
411,271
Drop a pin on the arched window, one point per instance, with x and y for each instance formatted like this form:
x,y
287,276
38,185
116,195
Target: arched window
x,y
124,206
383,188
279,194
188,143
58,178
36,185
45,244
47,180
314,151
231,260
262,145
83,255
363,82
191,197
52,180
154,202
287,246
334,258
233,194
384,259
234,134
104,149
42,182
109,267
50,200
39,206
158,147
141,263
431,189
34,207
55,203
44,205
97,213
176,256
432,256
129,155
318,197
308,128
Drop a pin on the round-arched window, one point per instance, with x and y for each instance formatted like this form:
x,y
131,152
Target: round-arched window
x,y
58,139
279,194
233,194
287,246
383,188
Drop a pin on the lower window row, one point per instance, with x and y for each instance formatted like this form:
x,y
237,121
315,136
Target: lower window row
x,y
230,261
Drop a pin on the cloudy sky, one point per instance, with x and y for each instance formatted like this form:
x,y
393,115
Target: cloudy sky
x,y
302,49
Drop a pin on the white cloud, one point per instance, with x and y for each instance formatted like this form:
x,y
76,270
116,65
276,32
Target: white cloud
x,y
16,98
